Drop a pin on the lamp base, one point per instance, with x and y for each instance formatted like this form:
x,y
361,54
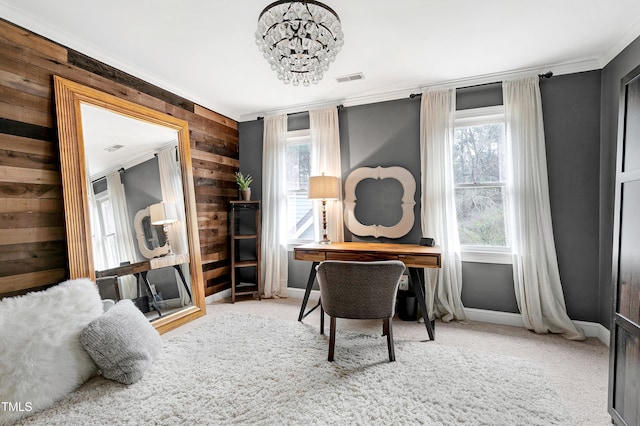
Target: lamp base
x,y
324,240
166,239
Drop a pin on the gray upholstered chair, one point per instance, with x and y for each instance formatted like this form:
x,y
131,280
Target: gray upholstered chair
x,y
108,288
359,290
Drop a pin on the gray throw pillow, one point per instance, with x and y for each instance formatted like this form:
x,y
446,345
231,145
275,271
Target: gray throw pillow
x,y
122,342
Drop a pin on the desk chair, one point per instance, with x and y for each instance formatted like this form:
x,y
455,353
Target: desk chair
x,y
359,290
108,288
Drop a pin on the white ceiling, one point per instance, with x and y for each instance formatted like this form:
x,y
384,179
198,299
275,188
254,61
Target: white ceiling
x,y
204,50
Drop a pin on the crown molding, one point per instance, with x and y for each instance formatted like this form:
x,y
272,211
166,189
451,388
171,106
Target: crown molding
x,y
558,69
44,29
290,110
624,41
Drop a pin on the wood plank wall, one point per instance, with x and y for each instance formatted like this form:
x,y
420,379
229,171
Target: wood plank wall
x,y
33,250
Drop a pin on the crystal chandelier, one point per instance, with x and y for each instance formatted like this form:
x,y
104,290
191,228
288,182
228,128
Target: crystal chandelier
x,y
299,39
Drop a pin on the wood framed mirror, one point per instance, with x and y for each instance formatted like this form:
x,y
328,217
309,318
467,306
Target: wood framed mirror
x,y
71,99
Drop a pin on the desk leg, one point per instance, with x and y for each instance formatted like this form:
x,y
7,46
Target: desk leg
x,y
418,289
154,302
184,282
307,292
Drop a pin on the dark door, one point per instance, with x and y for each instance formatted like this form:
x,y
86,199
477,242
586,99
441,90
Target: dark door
x,y
624,374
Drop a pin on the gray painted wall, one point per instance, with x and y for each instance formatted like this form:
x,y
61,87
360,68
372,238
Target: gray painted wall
x,y
571,105
387,134
142,186
383,134
621,65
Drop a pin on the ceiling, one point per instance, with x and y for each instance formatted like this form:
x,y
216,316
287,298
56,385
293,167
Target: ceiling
x,y
113,141
204,50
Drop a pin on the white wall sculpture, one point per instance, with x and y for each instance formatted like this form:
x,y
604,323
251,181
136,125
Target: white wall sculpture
x,y
409,186
142,238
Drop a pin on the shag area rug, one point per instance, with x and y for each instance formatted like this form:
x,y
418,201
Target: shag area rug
x,y
240,369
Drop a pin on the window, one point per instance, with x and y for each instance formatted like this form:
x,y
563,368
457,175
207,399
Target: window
x,y
300,207
479,167
105,234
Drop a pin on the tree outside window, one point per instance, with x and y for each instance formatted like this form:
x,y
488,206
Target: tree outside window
x,y
480,180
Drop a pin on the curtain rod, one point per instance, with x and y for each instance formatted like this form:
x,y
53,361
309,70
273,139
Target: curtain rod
x,y
120,170
547,74
300,112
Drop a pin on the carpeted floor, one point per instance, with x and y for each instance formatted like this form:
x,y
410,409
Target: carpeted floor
x,y
577,371
250,370
241,379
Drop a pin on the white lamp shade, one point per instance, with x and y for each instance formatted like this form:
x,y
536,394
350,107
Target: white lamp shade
x,y
324,187
163,213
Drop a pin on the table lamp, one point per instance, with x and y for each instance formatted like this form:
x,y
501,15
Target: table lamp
x,y
324,188
163,214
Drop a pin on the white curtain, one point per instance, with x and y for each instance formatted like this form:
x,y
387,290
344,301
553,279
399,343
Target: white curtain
x,y
274,207
124,236
325,158
443,287
94,222
535,267
171,187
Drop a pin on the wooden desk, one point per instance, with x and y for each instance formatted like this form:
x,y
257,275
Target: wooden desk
x,y
414,257
141,269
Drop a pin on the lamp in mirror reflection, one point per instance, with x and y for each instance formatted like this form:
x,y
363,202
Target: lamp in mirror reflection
x,y
324,188
163,214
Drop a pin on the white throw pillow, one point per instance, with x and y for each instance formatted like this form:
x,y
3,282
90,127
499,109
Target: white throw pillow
x,y
41,358
122,342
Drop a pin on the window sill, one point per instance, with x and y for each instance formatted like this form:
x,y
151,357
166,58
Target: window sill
x,y
292,245
487,257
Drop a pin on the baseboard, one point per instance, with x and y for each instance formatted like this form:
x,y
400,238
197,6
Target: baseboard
x,y
494,317
298,293
591,329
218,296
594,329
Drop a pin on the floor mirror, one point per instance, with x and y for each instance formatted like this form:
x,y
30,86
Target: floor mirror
x,y
129,203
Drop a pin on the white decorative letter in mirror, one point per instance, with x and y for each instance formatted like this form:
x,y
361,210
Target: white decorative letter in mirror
x,y
151,241
408,183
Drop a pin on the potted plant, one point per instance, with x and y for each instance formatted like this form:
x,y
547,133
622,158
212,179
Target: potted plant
x,y
243,184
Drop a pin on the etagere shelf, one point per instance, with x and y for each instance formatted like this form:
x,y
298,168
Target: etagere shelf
x,y
244,236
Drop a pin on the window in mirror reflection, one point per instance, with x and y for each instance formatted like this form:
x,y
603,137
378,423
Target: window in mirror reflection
x,y
105,237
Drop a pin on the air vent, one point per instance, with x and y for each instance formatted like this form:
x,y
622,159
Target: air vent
x,y
350,77
113,148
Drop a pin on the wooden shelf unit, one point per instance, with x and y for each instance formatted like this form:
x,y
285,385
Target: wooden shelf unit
x,y
241,229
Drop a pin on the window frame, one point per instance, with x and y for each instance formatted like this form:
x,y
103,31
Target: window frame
x,y
299,137
475,253
100,199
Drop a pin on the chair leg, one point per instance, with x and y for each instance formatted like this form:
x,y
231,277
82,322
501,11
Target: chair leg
x,y
332,337
388,325
321,319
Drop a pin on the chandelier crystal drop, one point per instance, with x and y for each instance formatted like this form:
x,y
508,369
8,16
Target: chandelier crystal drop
x,y
299,39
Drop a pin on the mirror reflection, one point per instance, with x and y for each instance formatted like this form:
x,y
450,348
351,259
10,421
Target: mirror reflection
x,y
138,219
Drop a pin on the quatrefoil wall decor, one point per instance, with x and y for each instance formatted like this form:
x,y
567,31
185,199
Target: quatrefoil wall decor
x,y
407,220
